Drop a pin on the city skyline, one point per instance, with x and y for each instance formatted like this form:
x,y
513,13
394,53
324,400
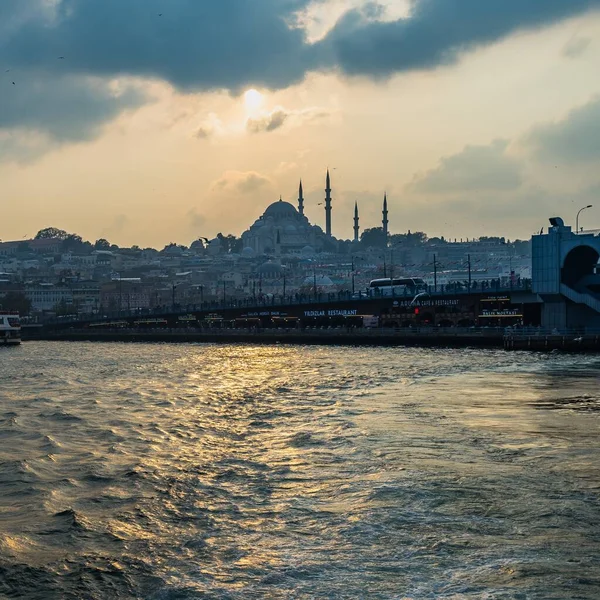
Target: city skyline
x,y
147,149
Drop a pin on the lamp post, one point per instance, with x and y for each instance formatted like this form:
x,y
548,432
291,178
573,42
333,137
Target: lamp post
x,y
434,273
577,217
469,265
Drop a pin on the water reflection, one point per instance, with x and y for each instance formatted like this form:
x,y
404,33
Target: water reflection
x,y
163,471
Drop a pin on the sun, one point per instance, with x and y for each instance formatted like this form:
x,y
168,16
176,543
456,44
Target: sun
x,y
253,100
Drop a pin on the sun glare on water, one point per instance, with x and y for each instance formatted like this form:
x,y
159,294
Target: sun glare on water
x,y
253,100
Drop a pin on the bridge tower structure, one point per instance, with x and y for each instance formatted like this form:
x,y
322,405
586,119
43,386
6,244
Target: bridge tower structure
x,y
565,273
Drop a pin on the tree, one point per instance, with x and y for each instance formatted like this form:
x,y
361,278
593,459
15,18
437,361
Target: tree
x,y
102,244
16,301
51,233
72,243
494,239
436,241
409,238
234,244
373,238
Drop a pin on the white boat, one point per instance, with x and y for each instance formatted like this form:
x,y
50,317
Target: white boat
x,y
10,328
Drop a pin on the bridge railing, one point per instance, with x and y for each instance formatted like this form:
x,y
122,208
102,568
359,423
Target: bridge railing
x,y
494,286
489,332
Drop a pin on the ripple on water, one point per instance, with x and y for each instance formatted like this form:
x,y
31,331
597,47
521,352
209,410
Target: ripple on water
x,y
165,471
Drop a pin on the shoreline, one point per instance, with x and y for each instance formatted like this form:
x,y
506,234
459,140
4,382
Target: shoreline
x,y
358,337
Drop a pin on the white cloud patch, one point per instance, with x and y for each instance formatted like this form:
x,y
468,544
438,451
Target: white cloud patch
x,y
475,168
279,116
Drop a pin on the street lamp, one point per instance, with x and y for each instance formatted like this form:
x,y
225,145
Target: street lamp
x,y
577,217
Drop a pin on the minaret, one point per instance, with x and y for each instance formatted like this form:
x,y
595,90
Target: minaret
x,y
300,199
356,221
328,205
385,218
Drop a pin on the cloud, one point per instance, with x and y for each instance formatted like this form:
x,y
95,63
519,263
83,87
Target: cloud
x,y
232,44
280,116
223,45
475,168
437,32
575,47
209,127
241,182
194,45
574,140
57,110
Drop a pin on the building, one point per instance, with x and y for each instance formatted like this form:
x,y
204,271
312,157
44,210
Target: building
x,y
566,275
47,297
125,294
284,230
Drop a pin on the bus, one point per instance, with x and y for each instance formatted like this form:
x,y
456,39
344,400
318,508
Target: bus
x,y
402,286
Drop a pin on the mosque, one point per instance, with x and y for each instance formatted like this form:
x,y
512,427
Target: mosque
x,y
284,229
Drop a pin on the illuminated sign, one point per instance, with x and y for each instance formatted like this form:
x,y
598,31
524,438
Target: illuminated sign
x,y
491,314
410,303
331,313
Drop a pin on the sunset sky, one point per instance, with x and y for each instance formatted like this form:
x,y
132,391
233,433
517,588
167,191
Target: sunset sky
x,y
149,122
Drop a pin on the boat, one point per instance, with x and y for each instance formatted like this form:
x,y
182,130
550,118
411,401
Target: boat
x,y
10,328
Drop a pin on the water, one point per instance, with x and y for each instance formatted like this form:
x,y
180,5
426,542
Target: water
x,y
189,471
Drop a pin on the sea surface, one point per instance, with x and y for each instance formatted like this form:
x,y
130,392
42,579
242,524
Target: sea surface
x,y
168,472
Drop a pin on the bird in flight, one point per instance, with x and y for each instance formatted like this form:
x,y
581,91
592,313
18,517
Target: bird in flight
x,y
160,14
61,58
13,83
319,204
7,70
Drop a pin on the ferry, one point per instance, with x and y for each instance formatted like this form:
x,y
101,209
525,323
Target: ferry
x,y
10,328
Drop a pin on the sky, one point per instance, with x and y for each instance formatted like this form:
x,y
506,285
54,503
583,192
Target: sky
x,y
148,122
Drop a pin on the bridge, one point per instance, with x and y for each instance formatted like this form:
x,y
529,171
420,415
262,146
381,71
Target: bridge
x,y
494,306
566,275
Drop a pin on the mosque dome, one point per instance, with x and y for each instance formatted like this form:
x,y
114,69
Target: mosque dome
x,y
270,268
290,229
248,252
281,210
307,251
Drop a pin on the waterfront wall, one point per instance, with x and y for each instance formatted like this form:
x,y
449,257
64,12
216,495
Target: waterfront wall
x,y
450,338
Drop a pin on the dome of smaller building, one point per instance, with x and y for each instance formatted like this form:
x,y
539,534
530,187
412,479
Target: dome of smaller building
x,y
270,268
307,251
290,229
248,252
281,209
